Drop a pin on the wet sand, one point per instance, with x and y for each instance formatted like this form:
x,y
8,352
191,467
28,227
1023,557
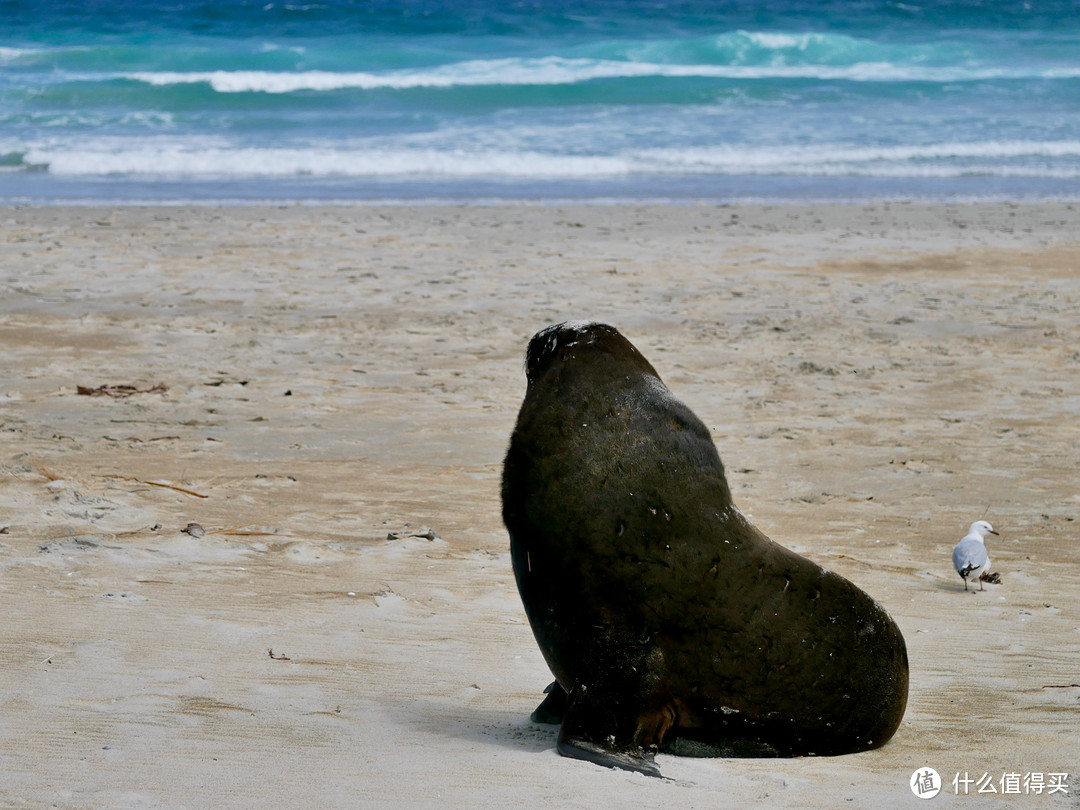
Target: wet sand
x,y
876,377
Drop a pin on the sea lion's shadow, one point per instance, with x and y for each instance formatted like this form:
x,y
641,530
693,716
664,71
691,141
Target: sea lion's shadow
x,y
479,724
510,730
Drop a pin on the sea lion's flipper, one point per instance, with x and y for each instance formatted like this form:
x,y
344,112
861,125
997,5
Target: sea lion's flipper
x,y
552,710
591,752
611,729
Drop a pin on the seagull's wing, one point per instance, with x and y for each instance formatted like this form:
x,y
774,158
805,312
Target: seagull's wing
x,y
968,555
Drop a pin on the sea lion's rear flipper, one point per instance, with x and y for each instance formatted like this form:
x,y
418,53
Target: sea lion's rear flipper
x,y
591,752
600,731
552,710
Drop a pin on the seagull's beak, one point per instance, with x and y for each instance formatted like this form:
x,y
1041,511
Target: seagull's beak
x,y
994,533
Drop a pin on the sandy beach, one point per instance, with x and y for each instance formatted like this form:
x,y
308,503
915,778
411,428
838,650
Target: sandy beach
x,y
327,392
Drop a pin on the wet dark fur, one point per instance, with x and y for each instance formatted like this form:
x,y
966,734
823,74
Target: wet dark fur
x,y
667,619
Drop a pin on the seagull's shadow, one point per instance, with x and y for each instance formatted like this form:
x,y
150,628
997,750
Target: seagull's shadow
x,y
946,586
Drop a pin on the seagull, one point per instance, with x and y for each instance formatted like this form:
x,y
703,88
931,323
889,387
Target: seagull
x,y
969,557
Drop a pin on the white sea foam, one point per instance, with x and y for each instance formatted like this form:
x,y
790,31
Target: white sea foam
x,y
914,160
14,54
216,157
781,41
561,71
326,162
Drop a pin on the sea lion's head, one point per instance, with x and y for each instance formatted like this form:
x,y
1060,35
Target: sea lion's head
x,y
565,342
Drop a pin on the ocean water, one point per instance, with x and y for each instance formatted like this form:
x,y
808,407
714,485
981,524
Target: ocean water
x,y
538,99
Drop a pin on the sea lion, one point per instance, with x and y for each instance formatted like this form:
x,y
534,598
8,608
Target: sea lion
x,y
666,617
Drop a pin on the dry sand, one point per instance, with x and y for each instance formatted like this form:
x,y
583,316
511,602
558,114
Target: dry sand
x,y
876,377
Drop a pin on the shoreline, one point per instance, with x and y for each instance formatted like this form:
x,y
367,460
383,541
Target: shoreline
x,y
876,376
405,202
489,201
43,188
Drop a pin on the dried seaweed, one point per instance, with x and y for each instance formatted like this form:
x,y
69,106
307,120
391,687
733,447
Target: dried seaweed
x,y
119,391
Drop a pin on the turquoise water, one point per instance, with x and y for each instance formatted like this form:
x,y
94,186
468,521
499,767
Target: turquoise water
x,y
194,100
